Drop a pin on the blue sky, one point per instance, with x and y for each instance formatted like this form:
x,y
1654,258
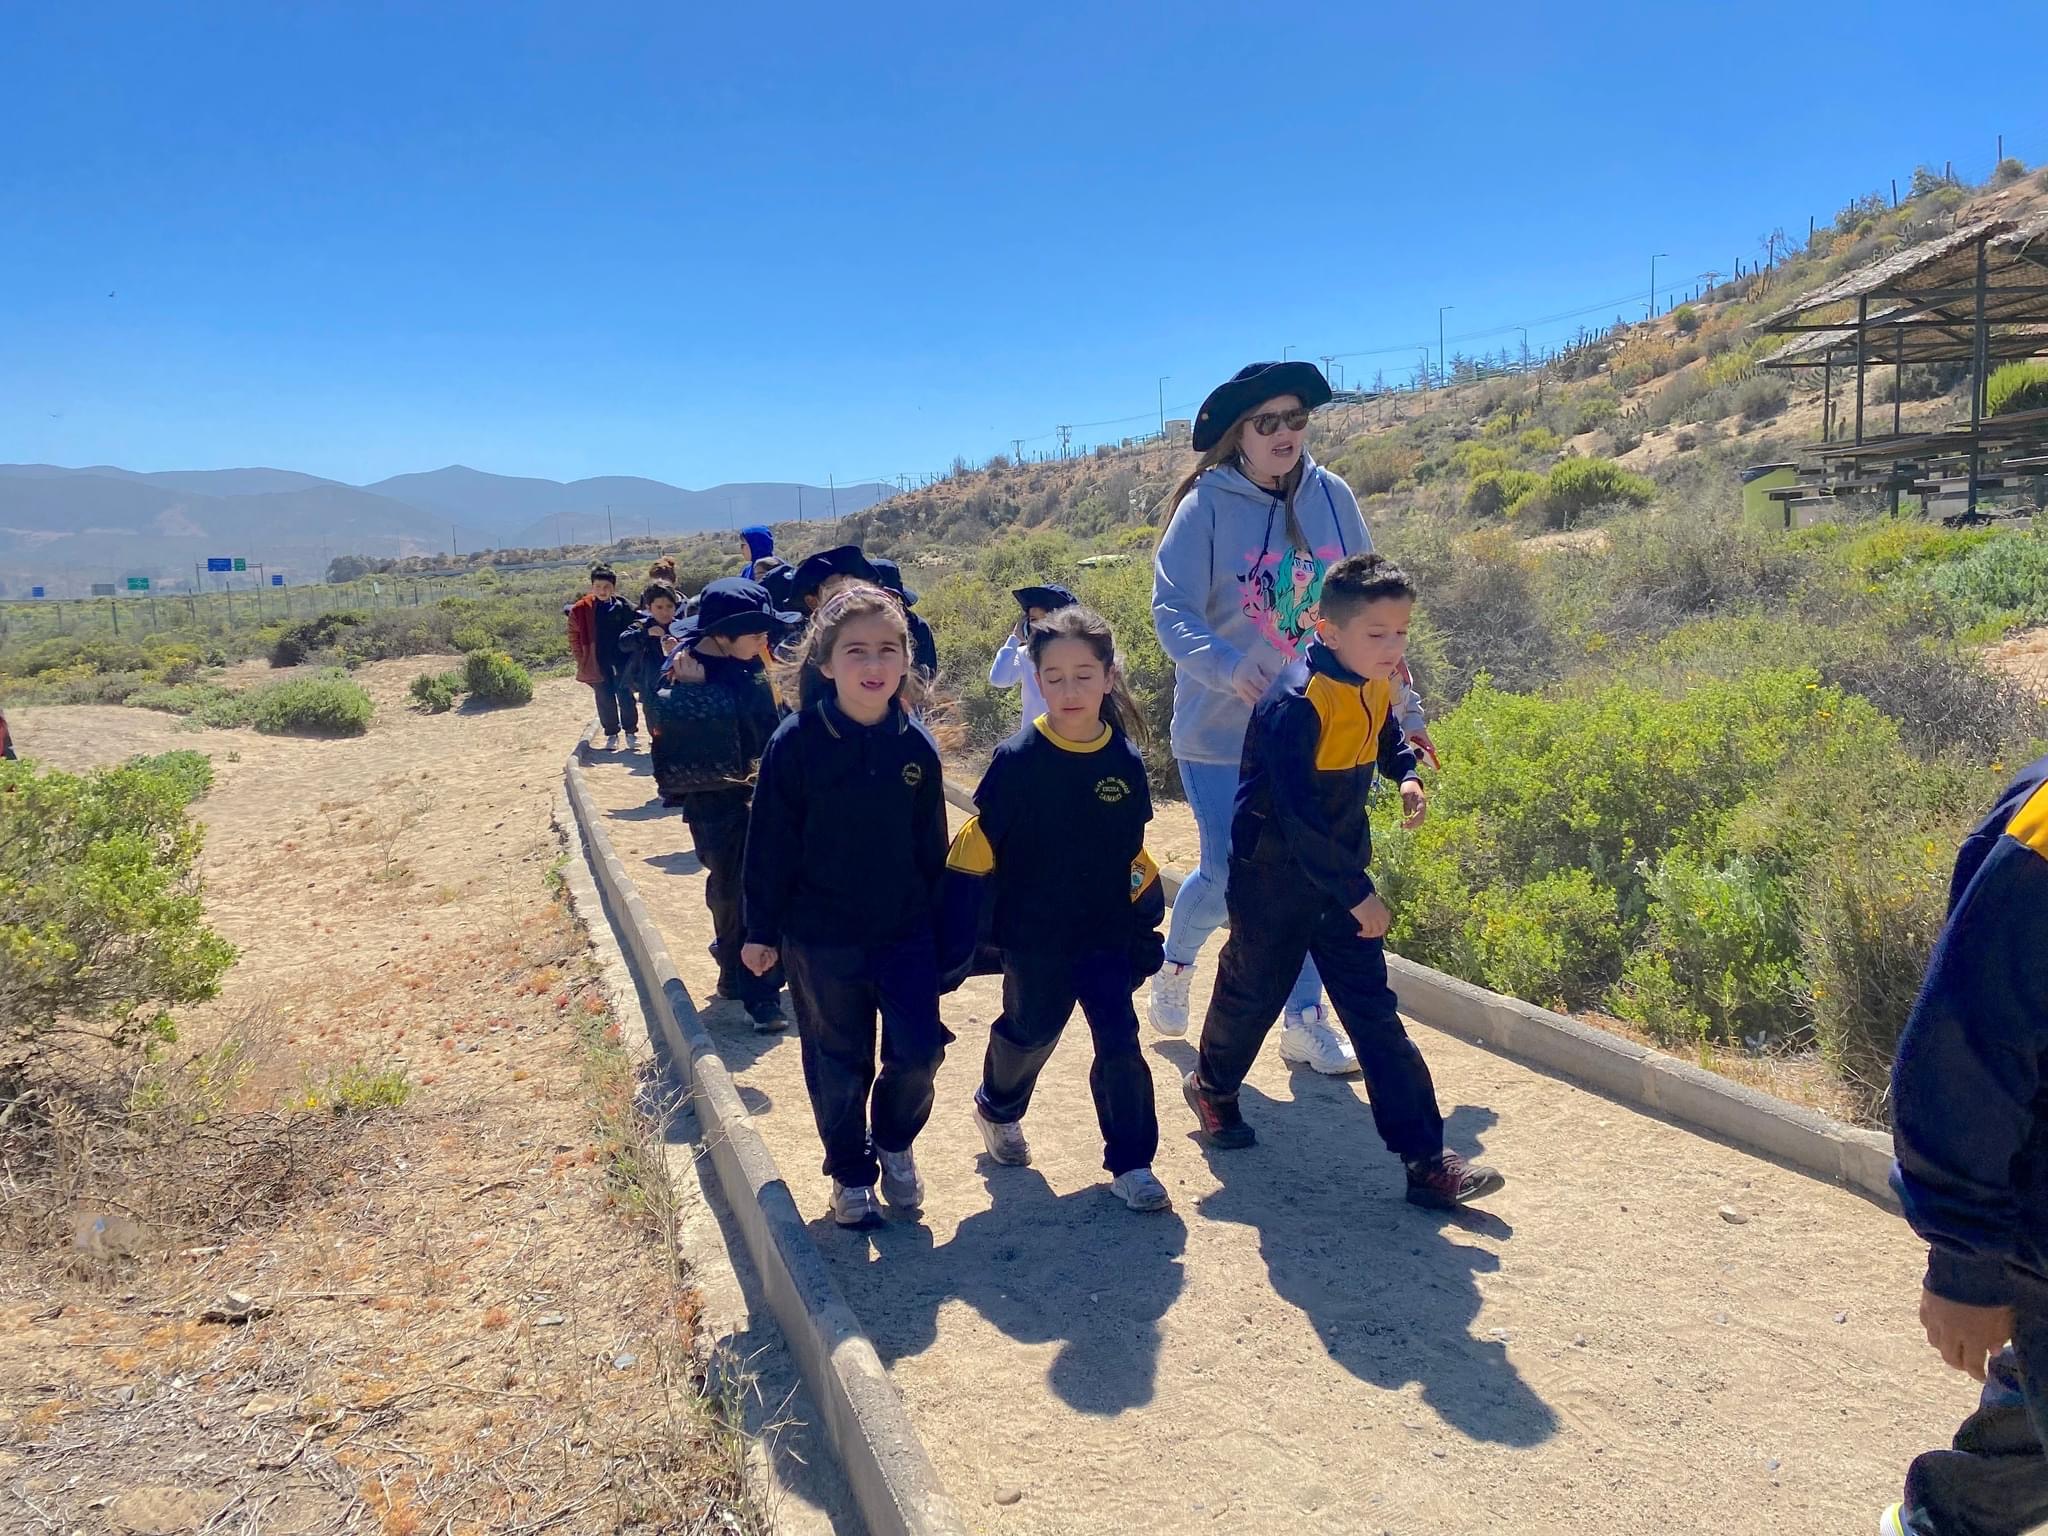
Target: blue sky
x,y
787,241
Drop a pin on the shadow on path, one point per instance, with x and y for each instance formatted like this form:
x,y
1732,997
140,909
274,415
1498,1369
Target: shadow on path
x,y
1387,1287
1078,1270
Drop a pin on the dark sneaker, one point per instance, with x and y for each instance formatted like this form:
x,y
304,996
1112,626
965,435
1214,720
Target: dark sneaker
x,y
1447,1181
769,1019
1218,1120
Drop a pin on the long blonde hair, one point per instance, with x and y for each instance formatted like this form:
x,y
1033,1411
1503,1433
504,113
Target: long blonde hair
x,y
800,674
1228,449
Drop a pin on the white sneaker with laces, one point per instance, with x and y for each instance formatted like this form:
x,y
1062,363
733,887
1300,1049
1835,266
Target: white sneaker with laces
x,y
854,1205
901,1186
611,742
1167,1007
1140,1189
1311,1040
1005,1143
632,741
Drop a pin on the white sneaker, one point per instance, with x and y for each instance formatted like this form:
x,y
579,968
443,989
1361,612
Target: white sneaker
x,y
901,1186
632,741
1311,1040
1167,1007
611,742
1141,1190
1892,1522
1005,1143
854,1205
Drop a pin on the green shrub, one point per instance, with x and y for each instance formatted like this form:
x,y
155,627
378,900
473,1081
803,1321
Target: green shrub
x,y
1871,912
1722,958
206,703
434,692
2019,386
1555,941
2008,171
1576,487
492,677
101,927
1761,397
297,643
1686,318
1493,491
328,705
1374,465
2000,583
357,1089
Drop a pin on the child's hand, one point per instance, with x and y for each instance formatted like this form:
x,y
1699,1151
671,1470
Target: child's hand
x,y
1964,1335
759,958
685,668
1373,917
1425,749
1414,804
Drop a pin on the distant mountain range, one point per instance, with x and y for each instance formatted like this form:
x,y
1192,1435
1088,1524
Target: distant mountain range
x,y
67,528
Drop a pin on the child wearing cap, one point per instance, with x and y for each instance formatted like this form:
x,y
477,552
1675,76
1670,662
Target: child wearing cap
x,y
924,645
707,746
1012,666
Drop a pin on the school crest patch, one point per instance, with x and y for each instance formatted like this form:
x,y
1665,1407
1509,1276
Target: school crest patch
x,y
913,774
1112,791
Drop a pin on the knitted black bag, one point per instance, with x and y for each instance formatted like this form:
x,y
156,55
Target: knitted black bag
x,y
697,745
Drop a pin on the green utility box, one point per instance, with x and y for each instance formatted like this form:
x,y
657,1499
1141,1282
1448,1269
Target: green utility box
x,y
1758,481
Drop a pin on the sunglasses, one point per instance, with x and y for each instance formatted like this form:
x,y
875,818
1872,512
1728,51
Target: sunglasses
x,y
1266,423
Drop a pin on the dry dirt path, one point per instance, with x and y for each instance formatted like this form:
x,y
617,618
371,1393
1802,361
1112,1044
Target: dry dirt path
x,y
1295,1349
477,1326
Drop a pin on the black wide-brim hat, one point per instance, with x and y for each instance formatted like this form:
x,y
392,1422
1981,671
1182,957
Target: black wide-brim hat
x,y
892,578
732,605
1051,598
1248,389
815,570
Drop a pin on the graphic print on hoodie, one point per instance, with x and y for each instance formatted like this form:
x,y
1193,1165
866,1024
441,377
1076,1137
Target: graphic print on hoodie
x,y
1279,591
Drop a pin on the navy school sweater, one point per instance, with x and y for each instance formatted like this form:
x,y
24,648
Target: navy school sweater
x,y
1969,1090
640,654
612,619
847,840
732,739
1315,742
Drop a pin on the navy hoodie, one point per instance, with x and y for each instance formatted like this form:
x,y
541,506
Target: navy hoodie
x,y
1969,1093
847,841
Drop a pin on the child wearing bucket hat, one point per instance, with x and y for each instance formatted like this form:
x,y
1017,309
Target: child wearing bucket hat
x,y
924,645
1012,667
708,740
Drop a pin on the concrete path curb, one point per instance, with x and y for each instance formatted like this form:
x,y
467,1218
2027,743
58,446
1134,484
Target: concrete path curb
x,y
885,1463
1629,1073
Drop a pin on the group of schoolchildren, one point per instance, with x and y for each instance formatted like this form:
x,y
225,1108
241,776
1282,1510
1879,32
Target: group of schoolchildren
x,y
816,802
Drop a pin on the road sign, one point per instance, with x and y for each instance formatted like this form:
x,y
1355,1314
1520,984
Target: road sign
x,y
219,563
277,581
103,589
35,591
138,583
241,564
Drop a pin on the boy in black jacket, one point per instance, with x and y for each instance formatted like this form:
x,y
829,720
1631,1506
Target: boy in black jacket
x,y
728,635
611,617
1970,1124
1299,846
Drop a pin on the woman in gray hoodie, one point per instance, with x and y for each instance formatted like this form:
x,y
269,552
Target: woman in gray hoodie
x,y
1234,587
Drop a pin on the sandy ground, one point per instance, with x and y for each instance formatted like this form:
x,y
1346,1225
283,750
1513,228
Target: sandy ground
x,y
472,1325
2024,658
1295,1349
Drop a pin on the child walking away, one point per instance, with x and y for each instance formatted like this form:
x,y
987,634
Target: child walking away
x,y
646,645
1299,847
845,851
707,740
924,645
596,621
1059,838
1970,1123
1012,665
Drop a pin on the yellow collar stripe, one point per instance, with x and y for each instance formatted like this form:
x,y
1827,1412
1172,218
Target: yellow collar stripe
x,y
2029,824
1053,736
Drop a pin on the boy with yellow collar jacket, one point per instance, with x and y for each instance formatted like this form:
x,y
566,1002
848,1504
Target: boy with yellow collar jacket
x,y
1300,844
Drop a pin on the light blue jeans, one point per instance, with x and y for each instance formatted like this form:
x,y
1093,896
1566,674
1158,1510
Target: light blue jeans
x,y
1199,910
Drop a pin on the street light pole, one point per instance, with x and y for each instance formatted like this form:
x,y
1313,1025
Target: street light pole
x,y
1653,285
1440,309
1285,350
1162,402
